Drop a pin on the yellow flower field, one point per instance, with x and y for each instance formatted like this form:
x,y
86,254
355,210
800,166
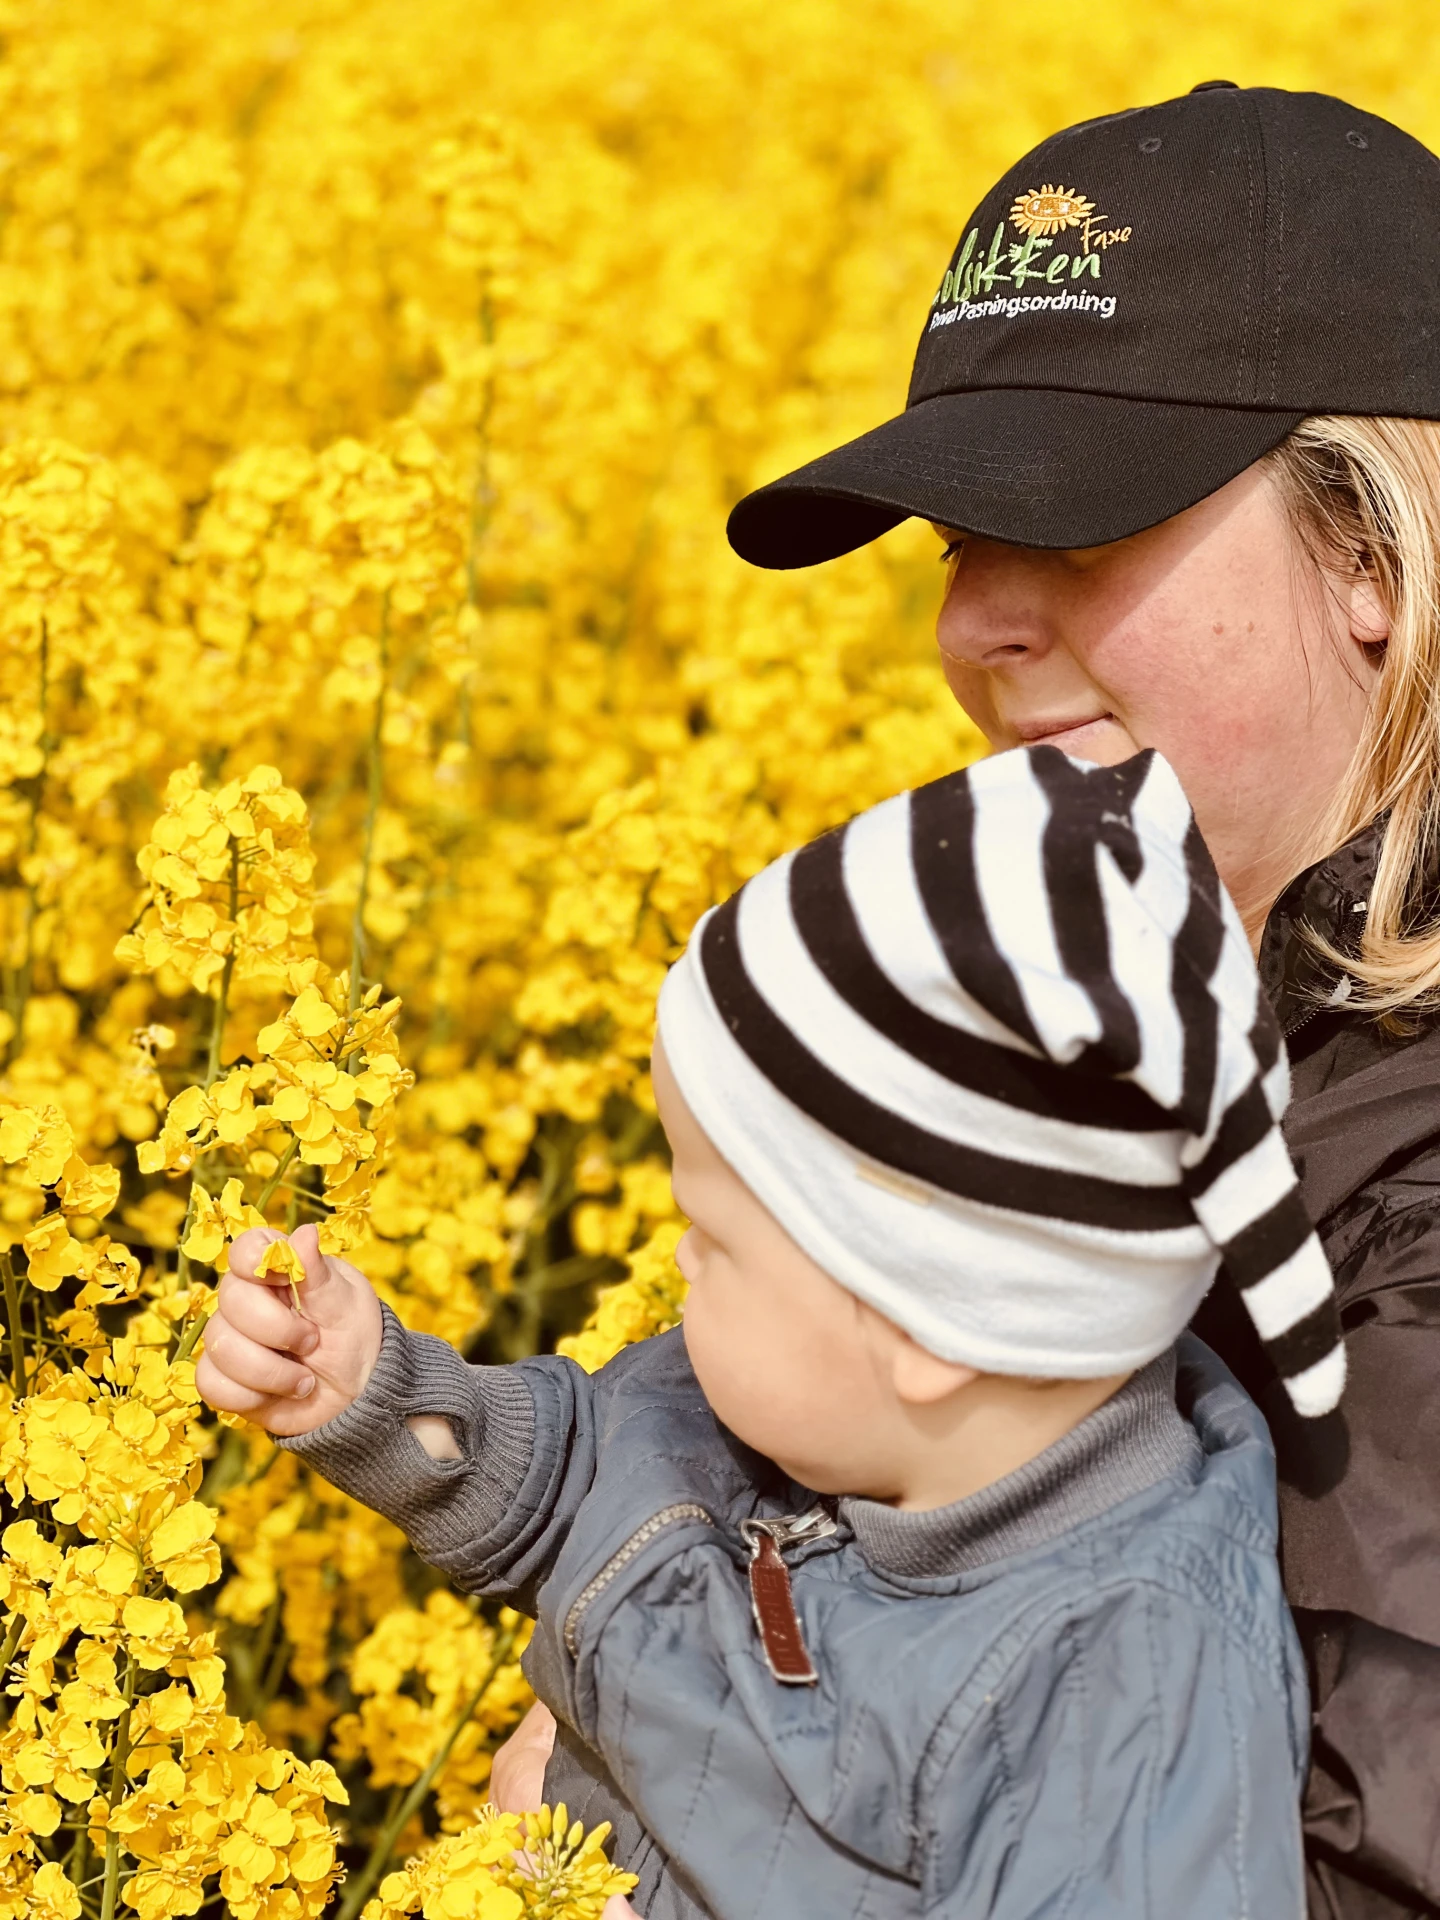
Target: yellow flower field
x,y
380,706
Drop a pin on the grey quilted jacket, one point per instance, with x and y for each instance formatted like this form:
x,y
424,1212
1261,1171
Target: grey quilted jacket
x,y
1110,1723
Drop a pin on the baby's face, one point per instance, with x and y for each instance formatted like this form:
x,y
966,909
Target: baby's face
x,y
779,1348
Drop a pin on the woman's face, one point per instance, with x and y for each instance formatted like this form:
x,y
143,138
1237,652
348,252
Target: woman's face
x,y
1211,637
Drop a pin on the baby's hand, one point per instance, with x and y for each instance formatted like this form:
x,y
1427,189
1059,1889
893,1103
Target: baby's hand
x,y
289,1371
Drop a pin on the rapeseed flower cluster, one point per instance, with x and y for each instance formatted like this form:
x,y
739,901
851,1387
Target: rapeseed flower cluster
x,y
380,708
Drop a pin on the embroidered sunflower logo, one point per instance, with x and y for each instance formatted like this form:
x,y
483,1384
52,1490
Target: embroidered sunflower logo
x,y
1047,210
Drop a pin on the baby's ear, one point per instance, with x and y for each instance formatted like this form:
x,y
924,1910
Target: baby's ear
x,y
921,1378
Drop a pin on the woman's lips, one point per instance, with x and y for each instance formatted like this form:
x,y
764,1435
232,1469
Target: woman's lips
x,y
1059,733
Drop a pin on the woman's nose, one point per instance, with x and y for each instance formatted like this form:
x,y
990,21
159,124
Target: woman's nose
x,y
994,613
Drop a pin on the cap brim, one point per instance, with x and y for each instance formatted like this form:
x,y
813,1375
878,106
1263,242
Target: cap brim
x,y
1033,468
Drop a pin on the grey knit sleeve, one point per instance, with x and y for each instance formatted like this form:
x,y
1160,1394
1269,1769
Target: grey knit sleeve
x,y
443,1506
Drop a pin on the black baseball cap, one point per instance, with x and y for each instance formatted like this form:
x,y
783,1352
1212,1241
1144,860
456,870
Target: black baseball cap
x,y
1140,308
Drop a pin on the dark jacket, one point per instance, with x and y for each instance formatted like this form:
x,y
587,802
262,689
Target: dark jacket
x,y
1360,1493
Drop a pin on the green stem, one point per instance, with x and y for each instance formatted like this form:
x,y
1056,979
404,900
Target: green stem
x,y
265,1646
357,1891
482,497
117,1787
190,1336
7,1654
226,1468
212,1063
182,1259
482,502
274,1671
18,996
375,778
575,1270
79,1853
227,972
282,1167
15,1324
557,1190
12,1641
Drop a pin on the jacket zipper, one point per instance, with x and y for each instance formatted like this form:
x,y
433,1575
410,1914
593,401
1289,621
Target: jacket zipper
x,y
771,1600
789,1529
619,1560
1328,1006
784,1531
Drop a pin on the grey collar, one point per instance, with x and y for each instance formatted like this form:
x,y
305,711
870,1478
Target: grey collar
x,y
1138,1437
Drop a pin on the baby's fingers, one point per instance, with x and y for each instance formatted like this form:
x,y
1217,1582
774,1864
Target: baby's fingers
x,y
246,1250
233,1357
265,1314
218,1390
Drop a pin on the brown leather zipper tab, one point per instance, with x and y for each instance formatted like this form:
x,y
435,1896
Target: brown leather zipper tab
x,y
775,1615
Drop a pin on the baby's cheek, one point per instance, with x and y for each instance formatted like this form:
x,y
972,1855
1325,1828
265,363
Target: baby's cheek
x,y
736,1368
706,1352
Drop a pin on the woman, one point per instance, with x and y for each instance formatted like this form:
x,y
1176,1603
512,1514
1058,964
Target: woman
x,y
1174,409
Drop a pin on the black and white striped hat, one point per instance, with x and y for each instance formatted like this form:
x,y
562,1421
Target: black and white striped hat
x,y
996,1056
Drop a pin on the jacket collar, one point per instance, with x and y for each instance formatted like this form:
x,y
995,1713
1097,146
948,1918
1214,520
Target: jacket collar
x,y
1137,1438
1331,899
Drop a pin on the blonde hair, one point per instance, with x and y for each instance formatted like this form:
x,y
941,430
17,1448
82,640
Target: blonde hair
x,y
1365,493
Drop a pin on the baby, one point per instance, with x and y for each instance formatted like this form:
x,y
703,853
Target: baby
x,y
929,1569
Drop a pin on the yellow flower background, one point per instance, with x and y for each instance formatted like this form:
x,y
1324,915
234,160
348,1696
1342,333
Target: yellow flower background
x,y
379,708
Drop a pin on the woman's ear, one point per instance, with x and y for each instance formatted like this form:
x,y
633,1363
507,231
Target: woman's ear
x,y
1369,619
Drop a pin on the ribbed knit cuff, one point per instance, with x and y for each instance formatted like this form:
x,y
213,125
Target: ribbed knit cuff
x,y
367,1451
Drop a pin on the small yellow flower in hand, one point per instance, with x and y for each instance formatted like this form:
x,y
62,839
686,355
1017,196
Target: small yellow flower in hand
x,y
281,1258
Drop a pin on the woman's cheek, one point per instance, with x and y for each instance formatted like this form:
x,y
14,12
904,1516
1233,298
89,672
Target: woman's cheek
x,y
972,695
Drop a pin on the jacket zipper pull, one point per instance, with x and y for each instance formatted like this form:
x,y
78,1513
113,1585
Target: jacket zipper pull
x,y
771,1600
